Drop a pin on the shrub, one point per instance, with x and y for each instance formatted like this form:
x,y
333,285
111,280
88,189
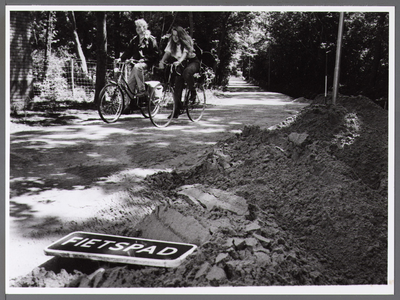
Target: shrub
x,y
51,85
54,85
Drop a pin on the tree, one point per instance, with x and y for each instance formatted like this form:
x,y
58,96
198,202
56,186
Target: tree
x,y
116,33
101,68
297,57
49,40
20,60
191,24
366,55
251,40
296,49
214,32
78,47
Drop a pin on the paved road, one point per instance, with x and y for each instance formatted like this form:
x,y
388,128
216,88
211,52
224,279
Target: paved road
x,y
67,174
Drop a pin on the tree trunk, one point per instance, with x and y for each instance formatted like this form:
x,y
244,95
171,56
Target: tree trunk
x,y
78,46
191,24
222,37
49,40
116,31
174,14
101,68
21,23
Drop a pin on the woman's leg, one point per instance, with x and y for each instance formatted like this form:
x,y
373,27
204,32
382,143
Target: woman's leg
x,y
138,73
178,88
190,70
131,80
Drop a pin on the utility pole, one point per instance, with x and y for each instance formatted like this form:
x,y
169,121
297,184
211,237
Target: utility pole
x,y
269,68
326,74
337,62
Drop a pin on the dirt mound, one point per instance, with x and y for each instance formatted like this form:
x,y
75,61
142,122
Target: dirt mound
x,y
316,191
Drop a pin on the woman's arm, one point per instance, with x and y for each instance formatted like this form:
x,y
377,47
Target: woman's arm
x,y
181,59
164,58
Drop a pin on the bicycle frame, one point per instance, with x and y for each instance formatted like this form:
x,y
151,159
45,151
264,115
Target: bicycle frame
x,y
121,81
110,106
197,104
202,70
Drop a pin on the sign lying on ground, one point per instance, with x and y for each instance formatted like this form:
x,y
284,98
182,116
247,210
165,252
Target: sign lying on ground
x,y
120,249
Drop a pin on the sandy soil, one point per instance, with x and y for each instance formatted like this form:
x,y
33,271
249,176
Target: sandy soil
x,y
296,193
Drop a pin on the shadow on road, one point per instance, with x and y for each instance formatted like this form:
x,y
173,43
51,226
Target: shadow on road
x,y
83,154
65,176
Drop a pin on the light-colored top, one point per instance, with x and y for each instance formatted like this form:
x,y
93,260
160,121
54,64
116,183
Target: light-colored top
x,y
179,53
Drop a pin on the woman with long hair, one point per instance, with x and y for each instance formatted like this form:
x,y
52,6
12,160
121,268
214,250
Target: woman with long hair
x,y
144,49
180,52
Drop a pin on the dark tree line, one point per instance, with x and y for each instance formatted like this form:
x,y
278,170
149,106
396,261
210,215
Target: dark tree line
x,y
211,30
298,50
83,35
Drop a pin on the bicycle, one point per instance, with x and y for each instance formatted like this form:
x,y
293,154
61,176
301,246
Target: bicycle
x,y
195,108
166,104
112,96
162,106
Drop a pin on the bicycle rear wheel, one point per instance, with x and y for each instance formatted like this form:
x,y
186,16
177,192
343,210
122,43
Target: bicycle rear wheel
x,y
195,108
111,103
161,105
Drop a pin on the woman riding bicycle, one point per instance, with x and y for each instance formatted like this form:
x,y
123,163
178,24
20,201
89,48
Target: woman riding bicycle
x,y
180,52
143,48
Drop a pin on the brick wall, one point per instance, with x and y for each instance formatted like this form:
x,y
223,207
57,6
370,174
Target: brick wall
x,y
20,59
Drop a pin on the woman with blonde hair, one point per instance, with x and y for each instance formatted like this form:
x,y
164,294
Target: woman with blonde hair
x,y
143,48
180,52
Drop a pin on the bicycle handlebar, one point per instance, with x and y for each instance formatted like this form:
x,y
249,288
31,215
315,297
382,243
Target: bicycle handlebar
x,y
172,67
119,65
212,52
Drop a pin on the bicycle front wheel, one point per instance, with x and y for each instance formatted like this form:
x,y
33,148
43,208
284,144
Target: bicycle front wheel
x,y
195,107
111,103
144,109
152,108
161,105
